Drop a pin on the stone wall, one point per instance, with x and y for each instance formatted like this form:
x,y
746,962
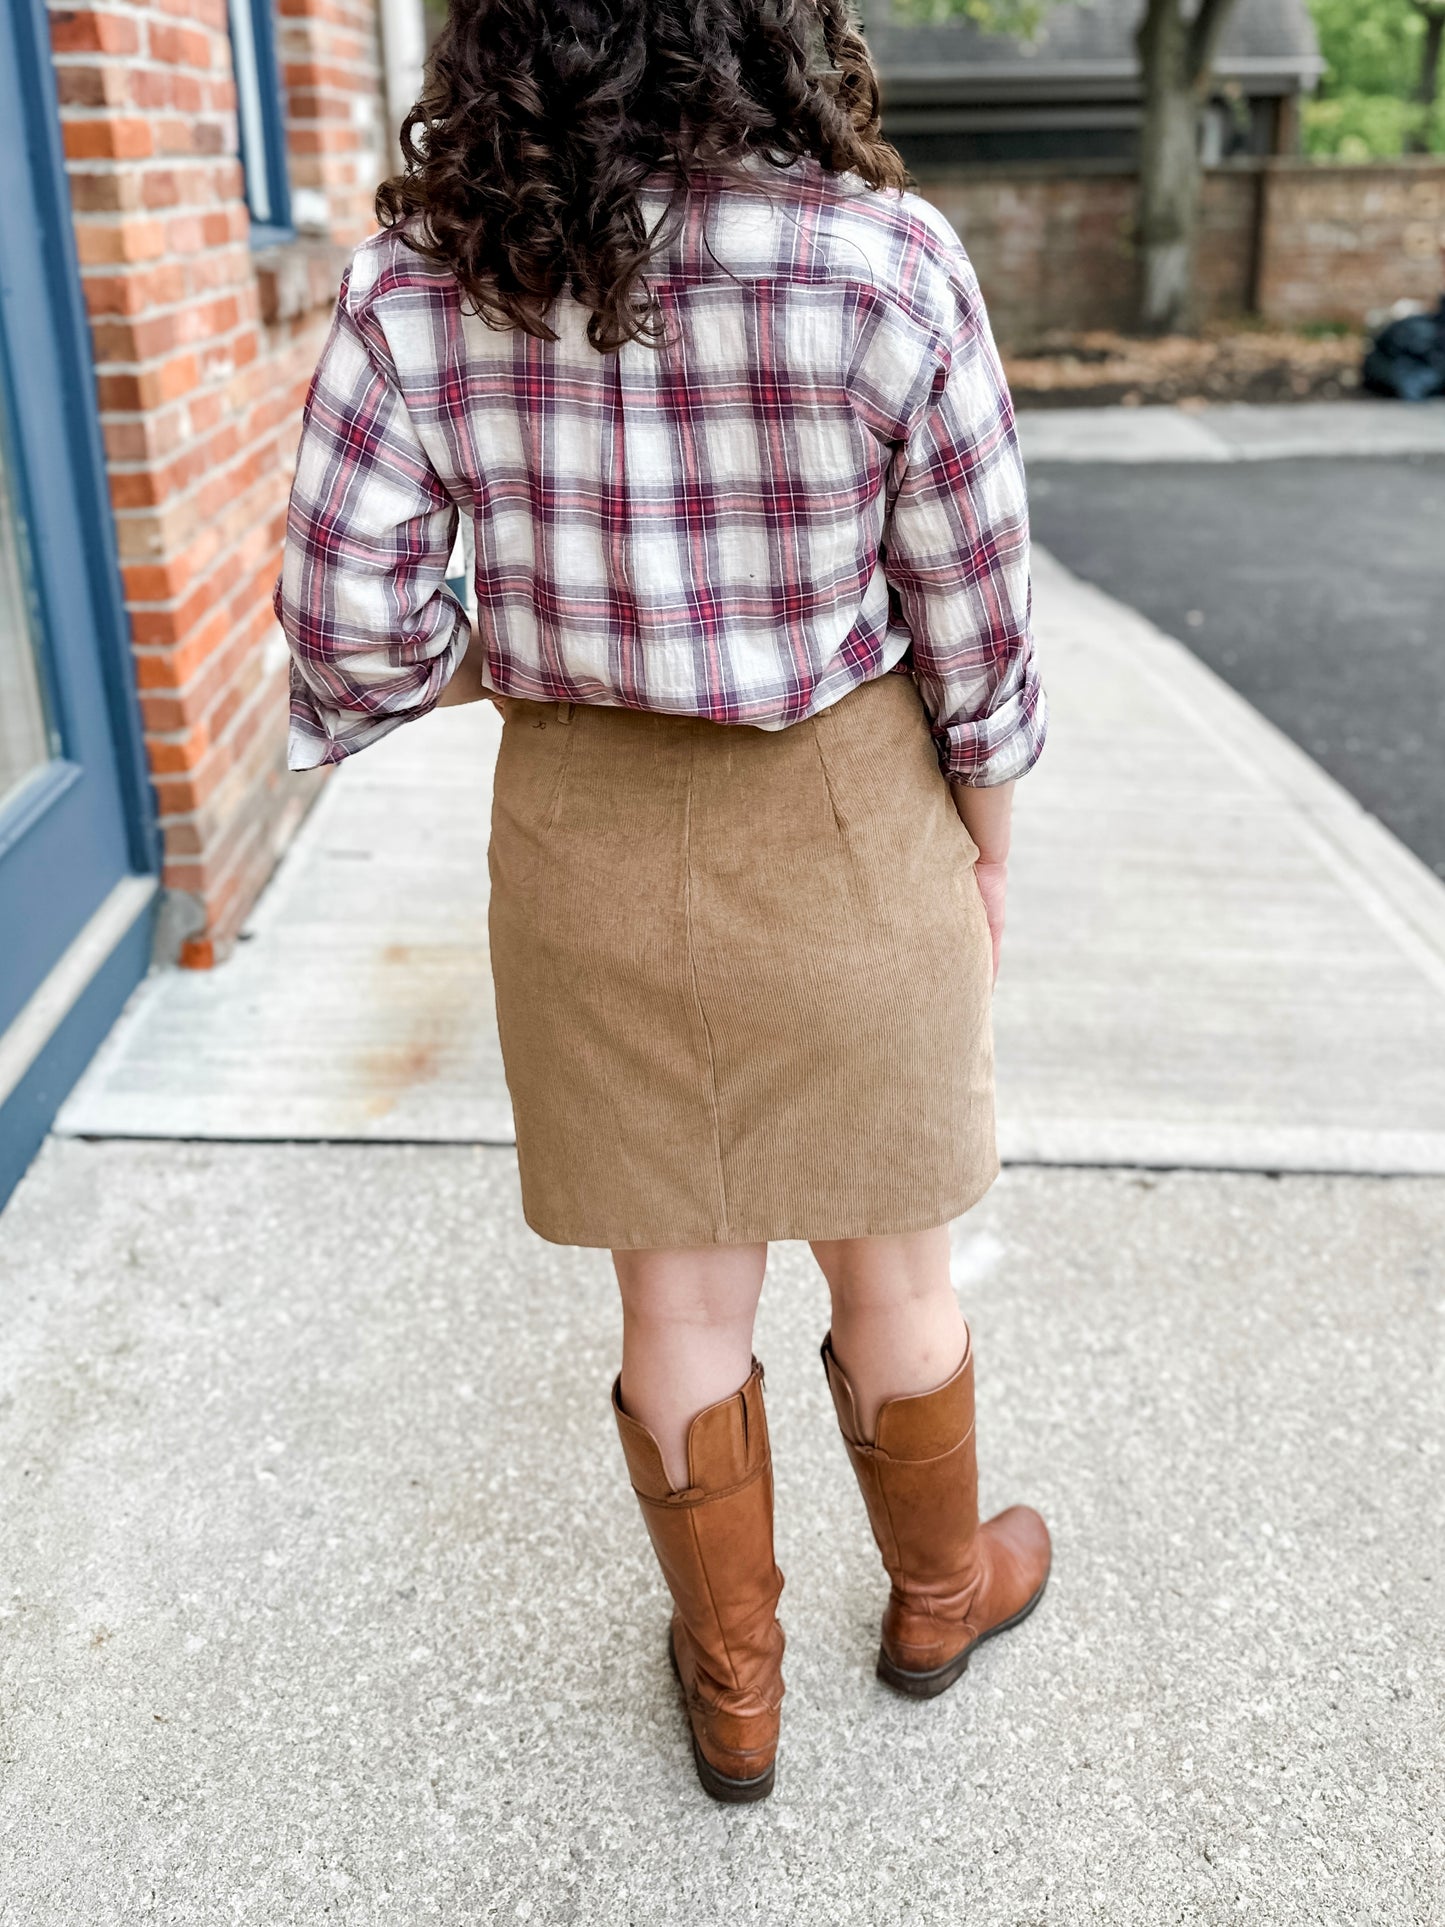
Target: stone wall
x,y
1289,240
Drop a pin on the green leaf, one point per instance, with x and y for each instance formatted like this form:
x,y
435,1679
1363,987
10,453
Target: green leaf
x,y
1019,19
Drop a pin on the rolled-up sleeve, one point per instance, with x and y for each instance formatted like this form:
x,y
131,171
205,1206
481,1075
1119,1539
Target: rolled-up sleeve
x,y
957,556
374,633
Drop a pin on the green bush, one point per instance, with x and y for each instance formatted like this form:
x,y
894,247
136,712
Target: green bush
x,y
1365,109
1353,126
1369,46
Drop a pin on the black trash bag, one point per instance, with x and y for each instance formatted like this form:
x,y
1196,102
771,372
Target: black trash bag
x,y
1407,358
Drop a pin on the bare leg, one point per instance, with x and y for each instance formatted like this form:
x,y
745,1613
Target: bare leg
x,y
897,1328
687,1336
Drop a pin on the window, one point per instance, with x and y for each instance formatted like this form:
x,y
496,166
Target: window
x,y
25,742
262,120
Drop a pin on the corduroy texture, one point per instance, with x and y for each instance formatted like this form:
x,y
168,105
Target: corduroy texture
x,y
742,976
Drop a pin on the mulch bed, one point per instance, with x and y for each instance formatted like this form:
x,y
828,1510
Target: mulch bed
x,y
1258,365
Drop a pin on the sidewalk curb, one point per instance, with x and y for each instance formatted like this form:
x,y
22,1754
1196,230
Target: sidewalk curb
x,y
1233,432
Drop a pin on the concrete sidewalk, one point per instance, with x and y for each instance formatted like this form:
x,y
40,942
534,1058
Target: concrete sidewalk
x,y
1216,958
326,1598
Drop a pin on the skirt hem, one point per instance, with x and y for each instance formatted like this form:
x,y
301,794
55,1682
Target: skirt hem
x,y
791,1233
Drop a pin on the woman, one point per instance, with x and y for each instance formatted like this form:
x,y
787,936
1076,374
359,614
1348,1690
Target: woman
x,y
652,308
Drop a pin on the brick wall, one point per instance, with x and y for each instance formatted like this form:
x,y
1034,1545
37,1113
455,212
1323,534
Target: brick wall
x,y
1051,245
1339,241
1292,240
203,349
1226,264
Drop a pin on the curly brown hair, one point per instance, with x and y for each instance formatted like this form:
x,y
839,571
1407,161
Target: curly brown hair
x,y
541,119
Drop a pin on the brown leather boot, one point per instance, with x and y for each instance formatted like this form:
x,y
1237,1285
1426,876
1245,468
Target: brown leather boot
x,y
955,1582
714,1542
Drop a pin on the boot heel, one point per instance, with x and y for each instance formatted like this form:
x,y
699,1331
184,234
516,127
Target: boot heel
x,y
731,1792
923,1686
735,1793
927,1686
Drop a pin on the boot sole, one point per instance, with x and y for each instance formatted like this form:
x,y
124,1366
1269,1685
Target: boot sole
x,y
719,1786
927,1686
735,1793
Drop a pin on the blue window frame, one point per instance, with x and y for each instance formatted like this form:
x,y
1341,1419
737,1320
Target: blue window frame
x,y
261,114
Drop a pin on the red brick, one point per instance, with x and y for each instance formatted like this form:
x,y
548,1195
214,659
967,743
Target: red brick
x,y
113,241
81,31
134,293
132,391
153,88
130,341
206,13
193,630
324,138
89,86
176,46
100,191
174,758
163,187
115,139
205,412
133,488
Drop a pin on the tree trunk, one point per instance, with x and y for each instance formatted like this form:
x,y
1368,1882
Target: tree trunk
x,y
1429,88
1169,169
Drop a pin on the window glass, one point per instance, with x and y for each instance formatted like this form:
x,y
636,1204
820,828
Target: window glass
x,y
24,737
260,115
249,110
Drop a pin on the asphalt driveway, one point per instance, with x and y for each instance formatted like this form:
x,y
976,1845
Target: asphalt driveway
x,y
1315,587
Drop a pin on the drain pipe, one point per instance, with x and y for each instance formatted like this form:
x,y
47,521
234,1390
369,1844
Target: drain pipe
x,y
403,52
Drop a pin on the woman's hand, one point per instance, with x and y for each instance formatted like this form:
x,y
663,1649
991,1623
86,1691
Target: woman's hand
x,y
466,685
992,880
987,815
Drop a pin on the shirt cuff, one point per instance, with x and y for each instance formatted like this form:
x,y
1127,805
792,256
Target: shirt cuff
x,y
319,735
999,747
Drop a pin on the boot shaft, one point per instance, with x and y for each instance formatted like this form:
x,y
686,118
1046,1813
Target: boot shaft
x,y
714,1538
919,1473
954,1581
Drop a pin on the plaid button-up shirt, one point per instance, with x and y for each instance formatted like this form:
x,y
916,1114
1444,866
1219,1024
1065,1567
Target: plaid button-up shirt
x,y
813,481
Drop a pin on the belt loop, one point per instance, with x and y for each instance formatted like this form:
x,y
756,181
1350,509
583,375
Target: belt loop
x,y
564,712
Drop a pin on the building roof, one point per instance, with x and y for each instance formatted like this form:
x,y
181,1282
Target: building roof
x,y
1084,49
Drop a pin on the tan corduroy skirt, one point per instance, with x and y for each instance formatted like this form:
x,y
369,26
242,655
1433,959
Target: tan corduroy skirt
x,y
742,975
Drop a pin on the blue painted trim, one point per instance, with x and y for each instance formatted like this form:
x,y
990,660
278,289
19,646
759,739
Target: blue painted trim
x,y
272,161
89,816
26,1116
43,792
271,237
85,451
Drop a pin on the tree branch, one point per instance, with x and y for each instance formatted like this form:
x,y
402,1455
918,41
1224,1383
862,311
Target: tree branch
x,y
1204,36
